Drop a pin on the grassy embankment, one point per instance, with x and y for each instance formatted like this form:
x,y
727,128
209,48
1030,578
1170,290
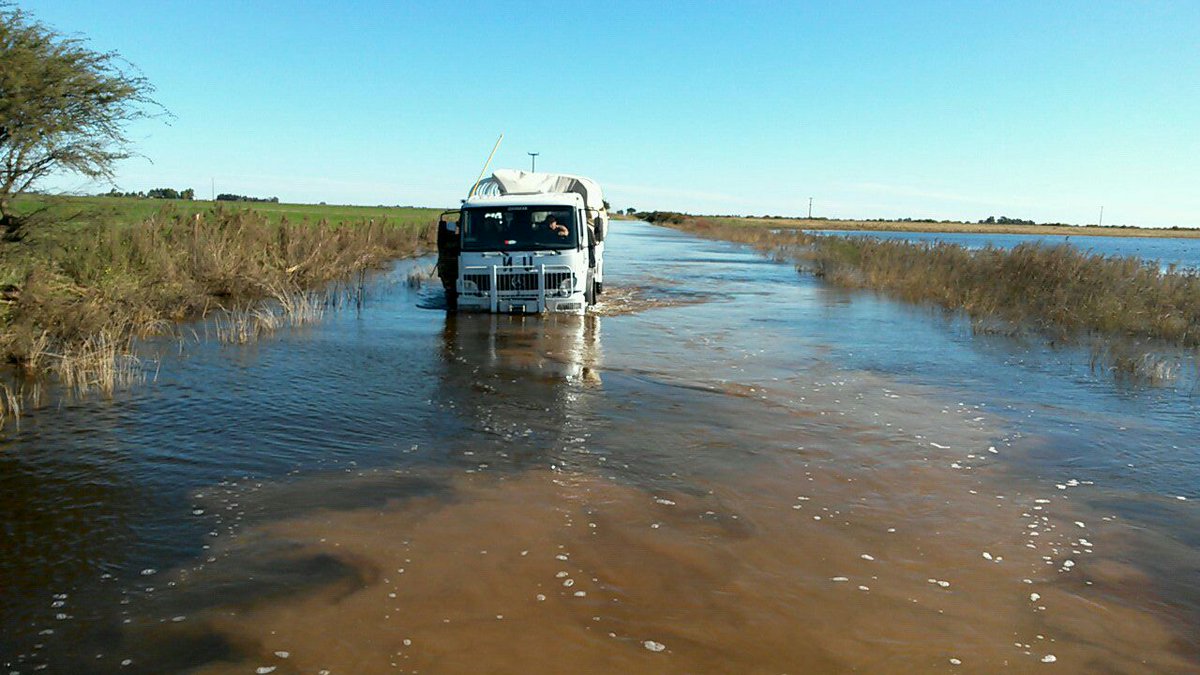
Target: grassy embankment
x,y
1058,290
93,274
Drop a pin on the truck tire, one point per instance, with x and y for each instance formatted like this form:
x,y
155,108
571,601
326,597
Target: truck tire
x,y
589,292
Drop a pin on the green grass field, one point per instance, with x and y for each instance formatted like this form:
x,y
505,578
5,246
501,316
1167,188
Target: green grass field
x,y
130,210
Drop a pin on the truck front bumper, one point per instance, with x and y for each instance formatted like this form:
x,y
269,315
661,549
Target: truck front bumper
x,y
523,305
521,290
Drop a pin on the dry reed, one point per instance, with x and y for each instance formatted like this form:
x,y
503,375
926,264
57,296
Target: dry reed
x,y
10,404
299,307
244,325
102,363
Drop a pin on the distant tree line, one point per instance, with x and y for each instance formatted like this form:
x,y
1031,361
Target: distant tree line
x,y
156,193
171,193
224,197
676,217
662,216
187,193
1005,220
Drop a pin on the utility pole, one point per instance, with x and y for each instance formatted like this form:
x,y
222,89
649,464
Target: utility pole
x,y
214,189
1101,217
810,208
533,160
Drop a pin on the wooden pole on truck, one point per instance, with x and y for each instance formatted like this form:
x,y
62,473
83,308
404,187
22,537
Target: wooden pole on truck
x,y
485,166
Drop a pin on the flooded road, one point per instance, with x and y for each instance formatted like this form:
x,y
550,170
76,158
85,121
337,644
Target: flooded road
x,y
728,468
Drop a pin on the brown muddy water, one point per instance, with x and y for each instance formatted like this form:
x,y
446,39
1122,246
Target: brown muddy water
x,y
728,468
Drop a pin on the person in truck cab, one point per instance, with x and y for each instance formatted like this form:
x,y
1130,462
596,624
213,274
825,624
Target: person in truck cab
x,y
551,223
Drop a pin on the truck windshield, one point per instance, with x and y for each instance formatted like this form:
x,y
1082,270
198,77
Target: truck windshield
x,y
519,228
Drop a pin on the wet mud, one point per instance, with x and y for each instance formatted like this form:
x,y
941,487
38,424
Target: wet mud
x,y
856,545
546,571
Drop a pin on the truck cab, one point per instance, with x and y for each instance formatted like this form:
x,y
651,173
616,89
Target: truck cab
x,y
525,243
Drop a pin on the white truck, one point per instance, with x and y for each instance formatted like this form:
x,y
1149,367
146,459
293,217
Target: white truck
x,y
525,242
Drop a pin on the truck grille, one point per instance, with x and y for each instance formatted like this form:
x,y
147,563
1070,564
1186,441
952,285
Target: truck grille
x,y
519,282
554,279
483,282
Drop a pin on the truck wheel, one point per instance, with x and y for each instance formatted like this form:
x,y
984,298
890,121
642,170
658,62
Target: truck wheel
x,y
589,292
599,288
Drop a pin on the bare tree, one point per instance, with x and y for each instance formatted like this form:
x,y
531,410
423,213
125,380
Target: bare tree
x,y
63,107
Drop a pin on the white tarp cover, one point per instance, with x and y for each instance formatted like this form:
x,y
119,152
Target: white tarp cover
x,y
517,182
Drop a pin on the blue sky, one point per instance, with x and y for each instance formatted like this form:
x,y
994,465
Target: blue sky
x,y
918,109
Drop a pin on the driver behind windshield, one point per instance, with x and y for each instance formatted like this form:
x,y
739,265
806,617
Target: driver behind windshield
x,y
552,225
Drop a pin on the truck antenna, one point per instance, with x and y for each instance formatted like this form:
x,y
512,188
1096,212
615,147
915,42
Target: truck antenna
x,y
485,166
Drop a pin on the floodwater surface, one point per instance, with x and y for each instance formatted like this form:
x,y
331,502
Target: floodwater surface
x,y
727,468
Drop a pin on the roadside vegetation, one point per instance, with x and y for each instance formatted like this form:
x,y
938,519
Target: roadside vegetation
x,y
81,286
1060,291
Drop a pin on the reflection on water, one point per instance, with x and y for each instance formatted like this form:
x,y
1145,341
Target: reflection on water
x,y
727,468
551,347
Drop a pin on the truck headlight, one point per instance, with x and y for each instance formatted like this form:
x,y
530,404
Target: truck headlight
x,y
468,286
566,286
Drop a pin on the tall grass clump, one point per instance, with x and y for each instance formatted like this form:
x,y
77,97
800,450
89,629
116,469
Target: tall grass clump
x,y
74,295
10,404
101,364
297,307
244,325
